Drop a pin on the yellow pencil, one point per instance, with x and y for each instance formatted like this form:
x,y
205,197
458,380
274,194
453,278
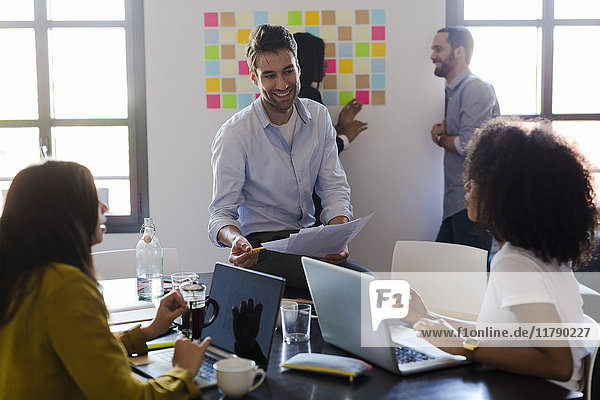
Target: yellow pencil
x,y
164,345
258,248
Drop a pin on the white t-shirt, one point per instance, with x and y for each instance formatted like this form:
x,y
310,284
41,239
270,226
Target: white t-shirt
x,y
287,129
552,283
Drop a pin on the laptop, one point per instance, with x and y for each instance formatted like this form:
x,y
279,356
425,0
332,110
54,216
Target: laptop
x,y
229,287
336,292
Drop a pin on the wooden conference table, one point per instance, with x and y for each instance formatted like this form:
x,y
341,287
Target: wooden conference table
x,y
467,382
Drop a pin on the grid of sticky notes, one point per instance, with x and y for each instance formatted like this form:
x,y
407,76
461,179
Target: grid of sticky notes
x,y
355,52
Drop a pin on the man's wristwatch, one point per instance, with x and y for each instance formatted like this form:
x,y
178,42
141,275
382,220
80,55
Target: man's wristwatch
x,y
438,138
470,344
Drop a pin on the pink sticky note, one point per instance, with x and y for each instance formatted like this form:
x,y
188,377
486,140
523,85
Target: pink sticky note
x,y
378,32
243,68
331,66
213,101
362,96
211,19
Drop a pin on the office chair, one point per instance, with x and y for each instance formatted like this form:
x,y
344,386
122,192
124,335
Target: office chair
x,y
450,278
591,375
115,264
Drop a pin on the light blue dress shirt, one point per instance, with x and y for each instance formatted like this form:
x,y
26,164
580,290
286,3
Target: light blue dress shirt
x,y
470,102
262,184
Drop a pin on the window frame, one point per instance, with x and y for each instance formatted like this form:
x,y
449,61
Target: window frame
x,y
136,90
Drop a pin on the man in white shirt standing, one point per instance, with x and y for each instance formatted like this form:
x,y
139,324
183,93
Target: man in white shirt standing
x,y
267,159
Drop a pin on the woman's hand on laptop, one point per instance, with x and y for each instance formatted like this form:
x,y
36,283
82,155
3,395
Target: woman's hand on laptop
x,y
171,306
416,308
190,354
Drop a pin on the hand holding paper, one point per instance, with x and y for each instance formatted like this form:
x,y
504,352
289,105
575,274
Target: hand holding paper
x,y
319,241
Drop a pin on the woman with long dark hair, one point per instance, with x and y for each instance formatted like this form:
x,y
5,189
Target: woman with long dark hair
x,y
533,192
54,335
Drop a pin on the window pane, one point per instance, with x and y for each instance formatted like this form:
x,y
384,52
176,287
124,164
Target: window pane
x,y
115,194
575,85
575,9
586,134
506,9
88,72
103,149
516,79
86,10
19,147
16,10
18,77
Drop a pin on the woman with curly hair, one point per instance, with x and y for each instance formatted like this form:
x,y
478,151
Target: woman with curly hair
x,y
54,334
534,193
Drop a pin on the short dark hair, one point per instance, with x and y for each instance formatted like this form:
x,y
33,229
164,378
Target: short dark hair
x,y
311,54
50,215
460,36
269,39
533,189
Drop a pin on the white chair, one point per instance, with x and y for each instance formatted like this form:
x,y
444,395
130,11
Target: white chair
x,y
115,264
591,369
450,278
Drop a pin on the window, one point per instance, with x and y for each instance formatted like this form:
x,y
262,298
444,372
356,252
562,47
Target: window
x,y
74,90
540,57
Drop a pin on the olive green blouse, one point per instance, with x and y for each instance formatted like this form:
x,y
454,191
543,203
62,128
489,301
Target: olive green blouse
x,y
59,346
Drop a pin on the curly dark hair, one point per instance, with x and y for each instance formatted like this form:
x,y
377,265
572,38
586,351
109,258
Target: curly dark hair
x,y
269,39
533,189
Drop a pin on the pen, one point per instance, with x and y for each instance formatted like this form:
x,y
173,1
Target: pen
x,y
258,248
163,345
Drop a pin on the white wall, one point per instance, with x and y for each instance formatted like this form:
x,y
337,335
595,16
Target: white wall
x,y
393,168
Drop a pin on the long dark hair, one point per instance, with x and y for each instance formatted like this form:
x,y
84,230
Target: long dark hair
x,y
533,190
50,215
311,55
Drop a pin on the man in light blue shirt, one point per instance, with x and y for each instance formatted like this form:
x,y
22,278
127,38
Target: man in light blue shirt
x,y
267,159
470,102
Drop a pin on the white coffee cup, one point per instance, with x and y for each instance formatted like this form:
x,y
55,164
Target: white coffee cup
x,y
235,376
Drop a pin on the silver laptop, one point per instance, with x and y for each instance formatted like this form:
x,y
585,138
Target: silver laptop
x,y
230,286
336,293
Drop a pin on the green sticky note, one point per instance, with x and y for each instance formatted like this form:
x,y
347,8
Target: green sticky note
x,y
294,17
362,49
211,52
345,97
229,101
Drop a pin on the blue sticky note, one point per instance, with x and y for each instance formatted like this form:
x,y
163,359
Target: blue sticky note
x,y
211,36
377,17
245,99
330,97
212,68
314,30
345,49
261,17
378,65
377,81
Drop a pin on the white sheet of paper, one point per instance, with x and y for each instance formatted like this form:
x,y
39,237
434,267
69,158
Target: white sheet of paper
x,y
319,241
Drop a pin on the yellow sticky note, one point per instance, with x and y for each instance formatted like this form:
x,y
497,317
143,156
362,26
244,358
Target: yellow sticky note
x,y
345,66
345,17
312,18
362,33
229,67
278,18
213,85
362,65
243,18
346,82
227,35
329,33
240,51
244,84
378,50
243,35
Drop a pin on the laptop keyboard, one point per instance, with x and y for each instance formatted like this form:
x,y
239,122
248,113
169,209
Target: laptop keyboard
x,y
407,355
206,371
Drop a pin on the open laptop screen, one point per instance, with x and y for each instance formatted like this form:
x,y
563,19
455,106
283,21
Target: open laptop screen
x,y
253,330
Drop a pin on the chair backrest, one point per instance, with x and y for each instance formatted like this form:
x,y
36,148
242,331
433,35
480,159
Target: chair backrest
x,y
115,264
456,287
591,375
